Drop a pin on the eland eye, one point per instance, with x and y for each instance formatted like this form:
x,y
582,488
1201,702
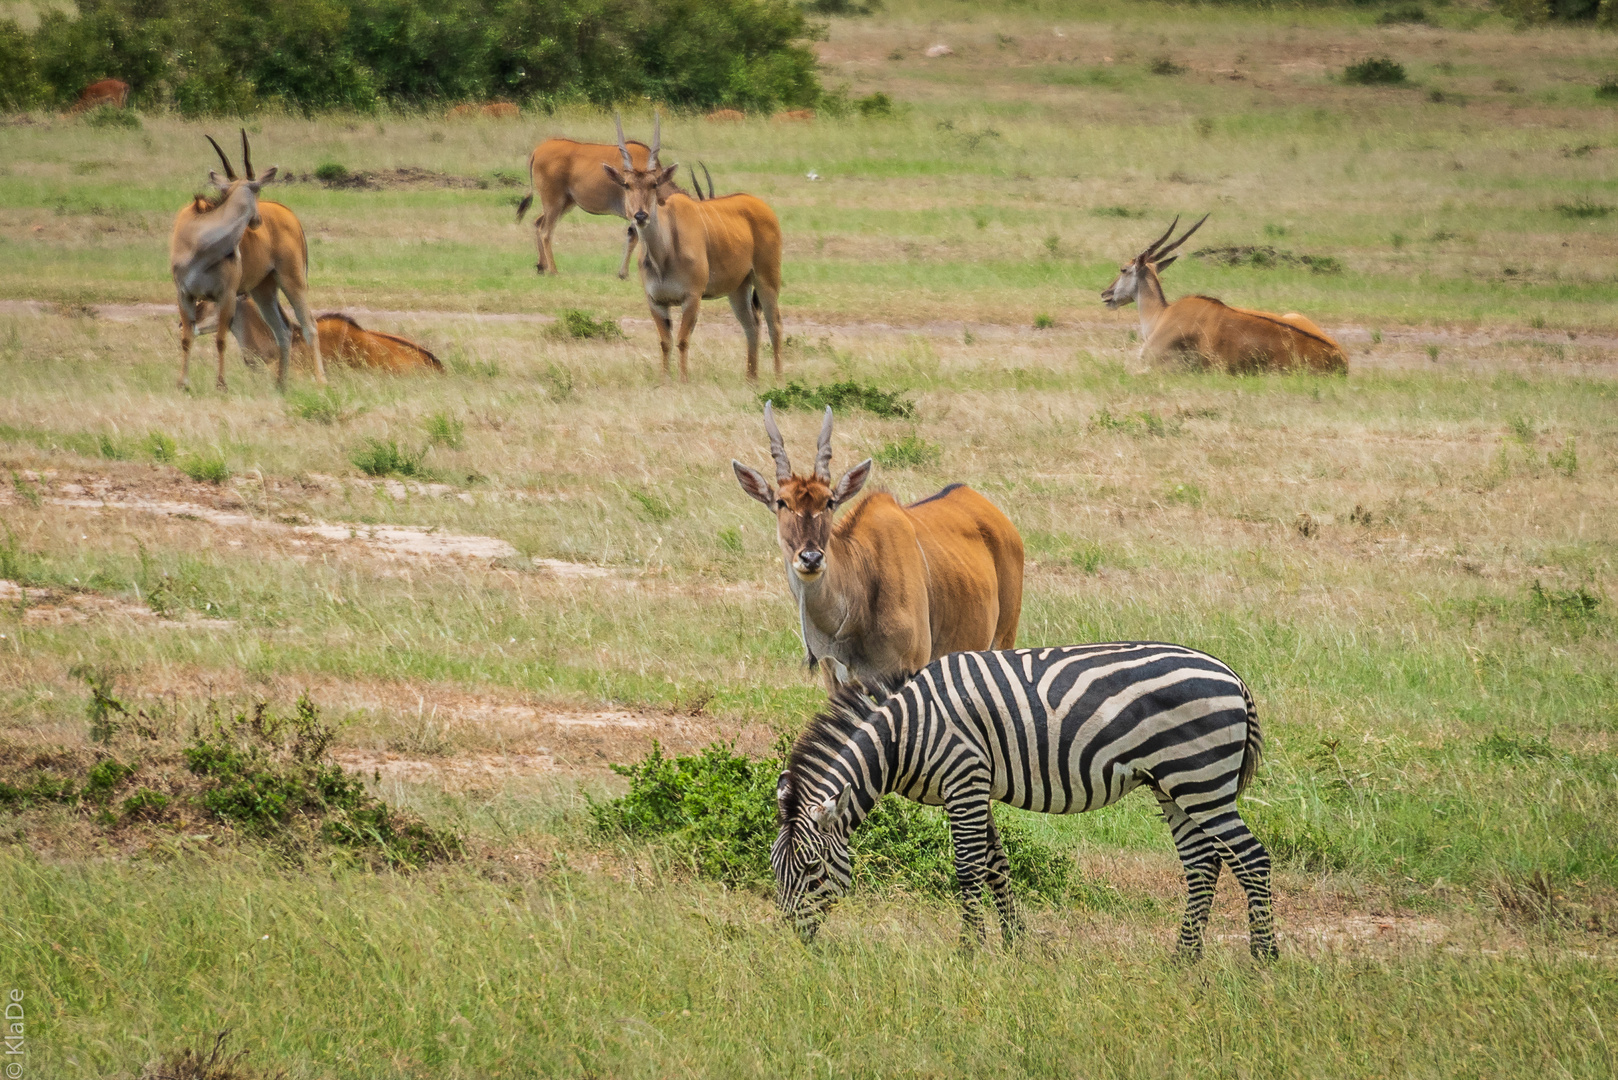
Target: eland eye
x,y
780,504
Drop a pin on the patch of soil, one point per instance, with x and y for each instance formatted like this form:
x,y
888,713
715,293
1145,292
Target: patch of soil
x,y
55,607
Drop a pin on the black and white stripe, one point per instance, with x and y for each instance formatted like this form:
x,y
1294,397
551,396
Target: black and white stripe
x,y
1058,730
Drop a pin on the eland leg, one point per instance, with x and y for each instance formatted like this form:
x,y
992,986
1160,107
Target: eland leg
x,y
742,303
688,323
227,315
298,297
269,309
768,298
629,249
188,333
545,227
665,331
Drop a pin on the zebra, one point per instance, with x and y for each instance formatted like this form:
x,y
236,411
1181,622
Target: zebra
x,y
1055,730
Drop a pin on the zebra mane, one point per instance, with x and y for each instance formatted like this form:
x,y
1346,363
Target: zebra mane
x,y
829,732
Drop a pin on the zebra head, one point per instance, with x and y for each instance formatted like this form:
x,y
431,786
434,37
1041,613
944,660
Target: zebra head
x,y
810,856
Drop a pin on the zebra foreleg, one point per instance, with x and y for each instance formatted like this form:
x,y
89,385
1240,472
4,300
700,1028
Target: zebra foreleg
x,y
1250,862
998,872
1201,860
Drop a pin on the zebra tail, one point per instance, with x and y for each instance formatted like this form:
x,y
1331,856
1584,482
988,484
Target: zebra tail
x,y
1253,752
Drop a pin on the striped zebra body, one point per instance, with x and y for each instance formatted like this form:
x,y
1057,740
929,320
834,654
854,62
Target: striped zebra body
x,y
1056,730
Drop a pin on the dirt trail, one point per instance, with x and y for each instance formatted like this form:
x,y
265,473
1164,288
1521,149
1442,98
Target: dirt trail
x,y
1396,347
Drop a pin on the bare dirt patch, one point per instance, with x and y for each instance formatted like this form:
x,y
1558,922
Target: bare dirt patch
x,y
55,607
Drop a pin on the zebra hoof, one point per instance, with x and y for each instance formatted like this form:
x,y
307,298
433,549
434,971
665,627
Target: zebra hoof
x,y
1188,955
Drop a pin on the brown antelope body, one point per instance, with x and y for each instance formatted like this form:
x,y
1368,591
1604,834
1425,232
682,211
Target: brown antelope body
x,y
888,588
271,256
495,110
565,174
105,92
726,116
341,339
694,250
1239,340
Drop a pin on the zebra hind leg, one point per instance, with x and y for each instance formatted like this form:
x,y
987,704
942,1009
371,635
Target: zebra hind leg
x,y
1201,860
969,825
1250,862
998,873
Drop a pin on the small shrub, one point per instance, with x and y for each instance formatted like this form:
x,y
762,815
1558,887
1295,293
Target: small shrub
x,y
1165,65
322,405
1432,353
1204,127
1053,243
1375,71
1607,89
207,468
1323,264
731,540
103,709
909,452
874,106
842,396
161,447
445,430
146,805
1582,208
108,116
1146,422
104,778
581,324
331,172
716,811
36,789
1407,14
1043,321
384,457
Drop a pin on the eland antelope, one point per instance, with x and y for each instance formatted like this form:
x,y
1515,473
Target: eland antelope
x,y
270,255
1239,340
565,174
728,246
113,92
888,588
341,339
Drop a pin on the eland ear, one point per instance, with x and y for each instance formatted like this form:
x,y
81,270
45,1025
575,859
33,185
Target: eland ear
x,y
854,479
217,181
667,175
753,482
1166,263
617,177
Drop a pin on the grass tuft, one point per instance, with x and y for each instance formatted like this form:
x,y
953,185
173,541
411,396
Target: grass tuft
x,y
910,452
1607,88
1375,71
574,323
842,396
445,430
1405,15
108,116
207,468
1583,208
875,106
162,447
1165,65
323,405
385,457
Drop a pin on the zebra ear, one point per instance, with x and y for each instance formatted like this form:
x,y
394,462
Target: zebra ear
x,y
783,788
829,815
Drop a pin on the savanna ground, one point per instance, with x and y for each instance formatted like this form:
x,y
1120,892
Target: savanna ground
x,y
1414,567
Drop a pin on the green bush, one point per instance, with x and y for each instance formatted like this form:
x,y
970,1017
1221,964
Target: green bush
x,y
841,396
874,106
211,56
716,812
331,172
1606,89
161,447
1406,14
445,430
1375,71
110,116
323,405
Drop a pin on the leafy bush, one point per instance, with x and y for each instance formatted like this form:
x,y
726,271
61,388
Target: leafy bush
x,y
1571,604
1606,90
842,396
716,811
211,56
384,457
208,468
1375,71
874,106
908,453
581,324
331,172
1042,321
1165,65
